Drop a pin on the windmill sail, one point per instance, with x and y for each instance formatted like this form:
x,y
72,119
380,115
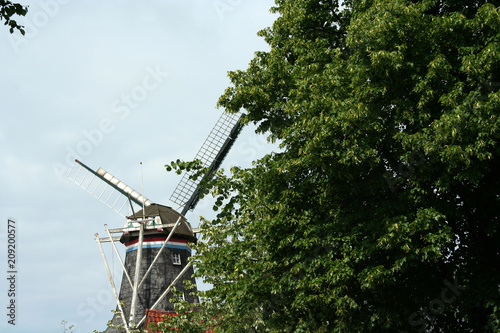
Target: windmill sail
x,y
108,189
211,154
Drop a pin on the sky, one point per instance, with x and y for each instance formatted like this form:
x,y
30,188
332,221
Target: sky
x,y
112,83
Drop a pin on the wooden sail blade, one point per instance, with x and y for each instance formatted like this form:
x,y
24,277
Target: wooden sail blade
x,y
108,189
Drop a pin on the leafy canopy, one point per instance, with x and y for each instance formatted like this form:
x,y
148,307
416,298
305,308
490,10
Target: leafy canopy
x,y
8,10
381,211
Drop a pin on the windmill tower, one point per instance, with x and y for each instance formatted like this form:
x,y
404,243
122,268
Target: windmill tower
x,y
156,237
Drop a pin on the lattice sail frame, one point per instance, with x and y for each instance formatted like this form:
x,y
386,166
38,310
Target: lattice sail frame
x,y
211,154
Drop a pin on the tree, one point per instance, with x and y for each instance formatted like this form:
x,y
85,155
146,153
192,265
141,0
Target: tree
x,y
381,212
8,10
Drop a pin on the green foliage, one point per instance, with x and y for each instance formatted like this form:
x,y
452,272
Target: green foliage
x,y
386,188
8,10
68,329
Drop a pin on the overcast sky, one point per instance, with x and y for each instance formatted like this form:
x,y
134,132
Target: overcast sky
x,y
112,83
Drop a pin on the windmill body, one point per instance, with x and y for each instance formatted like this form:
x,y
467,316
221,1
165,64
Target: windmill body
x,y
172,258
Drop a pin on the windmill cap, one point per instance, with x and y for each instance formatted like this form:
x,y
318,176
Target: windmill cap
x,y
167,216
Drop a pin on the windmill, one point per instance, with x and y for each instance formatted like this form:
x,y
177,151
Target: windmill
x,y
156,237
